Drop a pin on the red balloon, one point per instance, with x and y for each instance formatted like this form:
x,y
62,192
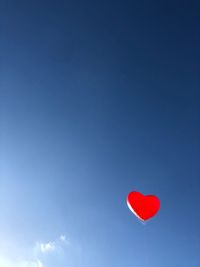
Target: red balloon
x,y
144,207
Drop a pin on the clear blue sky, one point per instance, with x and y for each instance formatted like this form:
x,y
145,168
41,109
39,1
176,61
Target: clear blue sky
x,y
99,98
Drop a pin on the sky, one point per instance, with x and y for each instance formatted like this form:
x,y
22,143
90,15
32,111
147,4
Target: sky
x,y
97,99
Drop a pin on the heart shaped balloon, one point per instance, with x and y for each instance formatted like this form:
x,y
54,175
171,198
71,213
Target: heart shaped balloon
x,y
144,207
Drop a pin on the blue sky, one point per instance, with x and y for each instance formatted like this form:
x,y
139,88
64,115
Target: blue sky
x,y
99,98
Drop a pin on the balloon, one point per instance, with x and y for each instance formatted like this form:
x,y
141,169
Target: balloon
x,y
144,207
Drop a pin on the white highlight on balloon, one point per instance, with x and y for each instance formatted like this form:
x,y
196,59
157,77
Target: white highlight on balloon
x,y
131,209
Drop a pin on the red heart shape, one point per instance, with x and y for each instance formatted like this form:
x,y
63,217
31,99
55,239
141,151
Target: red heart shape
x,y
144,207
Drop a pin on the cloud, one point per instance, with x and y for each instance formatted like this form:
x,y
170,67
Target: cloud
x,y
47,247
52,246
37,263
5,262
38,255
63,238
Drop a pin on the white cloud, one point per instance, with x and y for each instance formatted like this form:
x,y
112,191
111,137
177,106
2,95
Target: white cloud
x,y
47,247
52,245
63,238
37,256
5,262
37,263
40,264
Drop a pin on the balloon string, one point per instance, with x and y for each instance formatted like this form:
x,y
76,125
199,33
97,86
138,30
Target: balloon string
x,y
145,246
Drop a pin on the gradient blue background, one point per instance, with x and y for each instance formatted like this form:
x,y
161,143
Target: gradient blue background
x,y
99,98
